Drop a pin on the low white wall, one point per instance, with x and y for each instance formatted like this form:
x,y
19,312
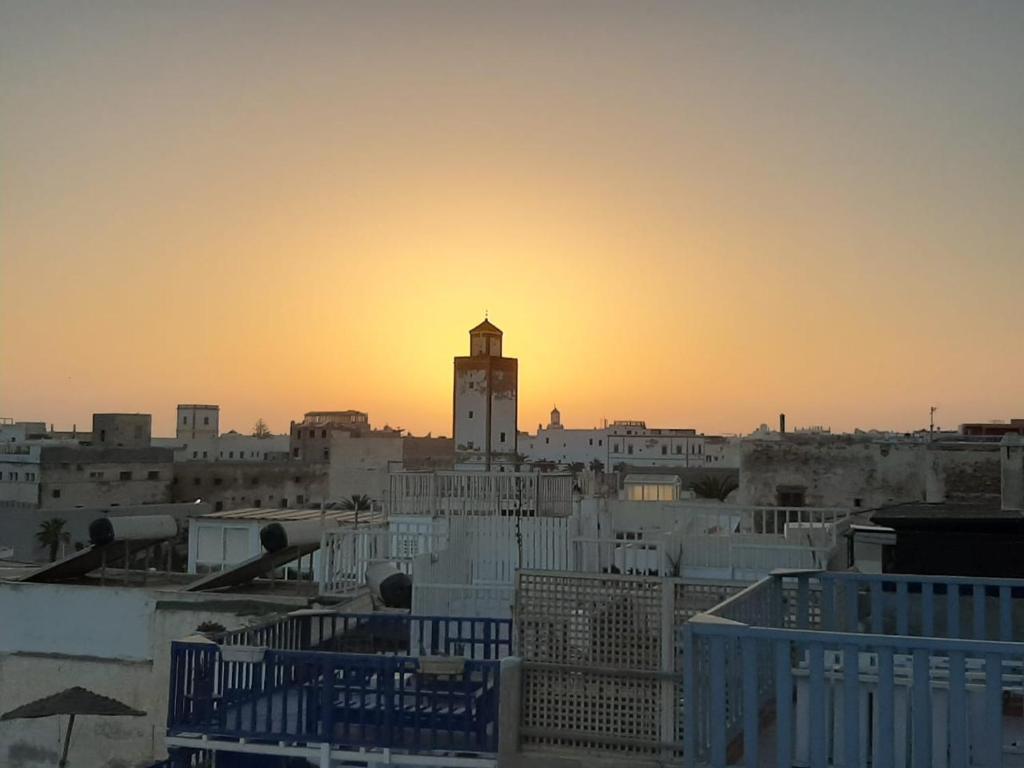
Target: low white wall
x,y
113,641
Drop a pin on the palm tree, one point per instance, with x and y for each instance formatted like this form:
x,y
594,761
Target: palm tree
x,y
51,534
712,487
358,502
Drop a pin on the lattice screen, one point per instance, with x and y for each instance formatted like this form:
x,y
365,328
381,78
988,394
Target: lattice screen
x,y
595,676
565,709
594,621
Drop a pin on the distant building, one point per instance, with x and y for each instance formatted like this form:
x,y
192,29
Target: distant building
x,y
122,430
69,476
197,421
993,428
310,439
635,444
239,484
197,438
486,404
862,472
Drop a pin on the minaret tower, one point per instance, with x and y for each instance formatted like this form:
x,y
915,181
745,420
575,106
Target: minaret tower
x,y
485,404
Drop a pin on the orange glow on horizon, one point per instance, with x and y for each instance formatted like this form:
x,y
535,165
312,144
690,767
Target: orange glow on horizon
x,y
675,216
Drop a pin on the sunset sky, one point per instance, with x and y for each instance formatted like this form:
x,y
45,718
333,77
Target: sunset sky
x,y
693,213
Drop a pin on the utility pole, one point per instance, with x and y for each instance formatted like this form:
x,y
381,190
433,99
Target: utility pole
x,y
931,422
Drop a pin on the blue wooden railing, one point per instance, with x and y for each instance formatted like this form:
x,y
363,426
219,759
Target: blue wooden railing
x,y
854,670
477,638
357,700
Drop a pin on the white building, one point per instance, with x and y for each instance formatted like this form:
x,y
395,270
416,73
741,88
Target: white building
x,y
628,442
197,438
554,443
486,404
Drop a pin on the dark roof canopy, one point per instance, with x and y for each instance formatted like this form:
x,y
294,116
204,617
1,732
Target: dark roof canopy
x,y
486,327
73,701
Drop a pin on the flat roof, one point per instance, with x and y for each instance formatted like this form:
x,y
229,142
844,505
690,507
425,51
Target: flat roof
x,y
266,514
641,479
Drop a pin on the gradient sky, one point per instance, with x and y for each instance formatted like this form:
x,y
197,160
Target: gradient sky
x,y
698,214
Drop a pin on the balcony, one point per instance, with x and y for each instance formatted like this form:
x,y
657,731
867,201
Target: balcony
x,y
845,669
342,685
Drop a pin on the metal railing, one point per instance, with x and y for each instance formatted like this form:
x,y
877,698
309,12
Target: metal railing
x,y
380,633
357,700
853,670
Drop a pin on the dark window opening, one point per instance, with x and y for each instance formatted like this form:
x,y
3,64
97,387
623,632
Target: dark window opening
x,y
126,475
471,414
196,481
218,506
56,493
153,475
206,419
788,496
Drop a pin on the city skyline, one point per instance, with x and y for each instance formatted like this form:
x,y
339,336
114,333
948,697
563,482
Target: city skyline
x,y
697,215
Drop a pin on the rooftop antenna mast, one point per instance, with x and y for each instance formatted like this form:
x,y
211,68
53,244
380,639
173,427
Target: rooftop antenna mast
x,y
931,421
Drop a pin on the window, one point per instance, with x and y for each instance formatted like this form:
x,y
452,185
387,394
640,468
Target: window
x,y
103,435
184,419
56,493
664,450
153,475
257,502
858,502
255,480
600,442
15,478
299,499
231,454
591,441
204,454
323,433
218,506
790,496
327,453
206,420
195,481
547,440
284,504
126,475
295,453
679,449
298,478
195,454
471,414
502,437
629,450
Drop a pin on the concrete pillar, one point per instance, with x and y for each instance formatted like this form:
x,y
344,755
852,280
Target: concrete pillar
x,y
510,706
1011,460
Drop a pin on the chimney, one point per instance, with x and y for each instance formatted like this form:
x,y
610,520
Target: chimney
x,y
782,423
1011,458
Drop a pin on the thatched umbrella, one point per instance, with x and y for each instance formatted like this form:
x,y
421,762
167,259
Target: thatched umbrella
x,y
71,702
